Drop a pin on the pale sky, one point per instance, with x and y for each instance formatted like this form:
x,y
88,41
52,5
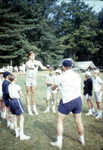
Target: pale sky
x,y
96,4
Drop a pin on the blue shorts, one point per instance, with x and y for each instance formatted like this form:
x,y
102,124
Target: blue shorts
x,y
6,102
16,107
74,106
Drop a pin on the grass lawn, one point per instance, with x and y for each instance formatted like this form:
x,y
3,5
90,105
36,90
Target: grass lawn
x,y
42,128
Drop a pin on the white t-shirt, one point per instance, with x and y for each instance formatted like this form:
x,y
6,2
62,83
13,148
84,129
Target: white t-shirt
x,y
32,73
14,90
97,83
70,85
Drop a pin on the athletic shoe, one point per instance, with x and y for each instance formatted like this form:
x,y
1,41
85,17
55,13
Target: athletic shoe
x,y
12,126
47,110
36,113
89,113
30,113
98,117
24,137
81,140
56,144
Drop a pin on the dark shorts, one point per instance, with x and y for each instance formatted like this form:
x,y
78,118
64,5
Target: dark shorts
x,y
16,107
6,102
74,106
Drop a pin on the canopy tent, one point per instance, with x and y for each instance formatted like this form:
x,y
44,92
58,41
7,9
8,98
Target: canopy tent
x,y
85,65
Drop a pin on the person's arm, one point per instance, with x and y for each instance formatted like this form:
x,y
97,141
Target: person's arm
x,y
42,66
100,82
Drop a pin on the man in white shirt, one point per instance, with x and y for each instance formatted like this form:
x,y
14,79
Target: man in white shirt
x,y
70,83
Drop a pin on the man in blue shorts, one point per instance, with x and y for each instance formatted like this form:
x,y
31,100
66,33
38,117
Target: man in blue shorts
x,y
70,84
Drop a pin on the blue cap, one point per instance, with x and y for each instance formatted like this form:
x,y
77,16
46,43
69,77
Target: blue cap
x,y
6,73
67,63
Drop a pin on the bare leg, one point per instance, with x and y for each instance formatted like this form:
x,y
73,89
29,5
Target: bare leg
x,y
80,128
22,135
60,120
28,94
33,100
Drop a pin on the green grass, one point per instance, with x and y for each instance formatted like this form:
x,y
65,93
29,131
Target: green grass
x,y
42,128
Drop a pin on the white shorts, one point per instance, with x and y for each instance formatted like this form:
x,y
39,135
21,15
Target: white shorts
x,y
31,82
98,96
87,97
51,92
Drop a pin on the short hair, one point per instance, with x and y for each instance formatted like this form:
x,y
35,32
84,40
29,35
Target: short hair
x,y
12,77
30,53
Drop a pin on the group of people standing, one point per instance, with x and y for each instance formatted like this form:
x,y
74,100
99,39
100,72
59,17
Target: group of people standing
x,y
93,83
66,81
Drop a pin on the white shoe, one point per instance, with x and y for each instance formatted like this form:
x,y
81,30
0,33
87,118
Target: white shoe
x,y
81,141
3,115
56,144
24,137
30,113
12,126
98,117
53,109
47,110
17,132
35,110
89,114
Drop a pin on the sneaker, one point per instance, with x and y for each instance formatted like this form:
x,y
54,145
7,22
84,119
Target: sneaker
x,y
89,114
47,110
35,111
81,141
98,117
24,137
30,113
12,126
56,144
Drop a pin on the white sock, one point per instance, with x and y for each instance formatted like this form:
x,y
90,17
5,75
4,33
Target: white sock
x,y
100,112
29,108
82,138
17,132
35,109
59,139
21,132
90,110
93,110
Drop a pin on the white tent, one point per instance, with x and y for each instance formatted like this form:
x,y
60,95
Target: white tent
x,y
85,65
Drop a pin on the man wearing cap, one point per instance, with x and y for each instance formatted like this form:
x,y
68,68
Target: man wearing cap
x,y
70,83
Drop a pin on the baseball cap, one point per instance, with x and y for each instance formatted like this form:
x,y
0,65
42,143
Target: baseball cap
x,y
6,73
67,63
